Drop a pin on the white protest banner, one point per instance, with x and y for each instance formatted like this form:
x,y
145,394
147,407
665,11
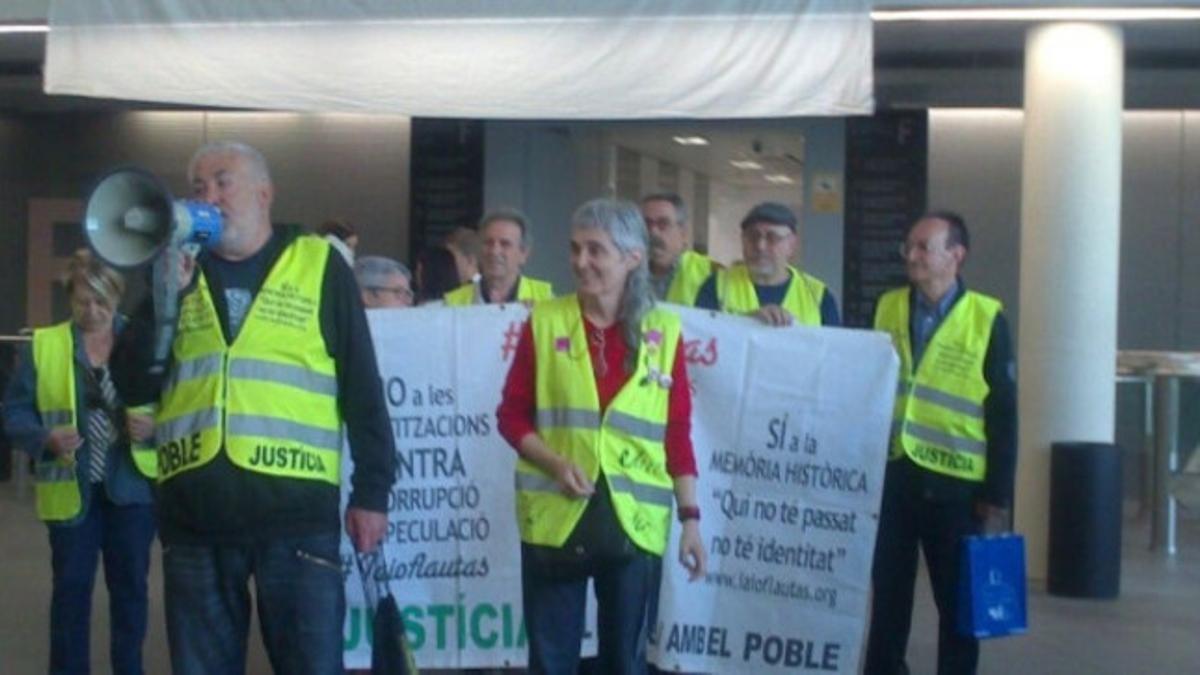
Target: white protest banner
x,y
452,548
790,428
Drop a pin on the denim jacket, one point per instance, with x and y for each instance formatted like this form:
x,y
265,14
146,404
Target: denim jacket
x,y
123,483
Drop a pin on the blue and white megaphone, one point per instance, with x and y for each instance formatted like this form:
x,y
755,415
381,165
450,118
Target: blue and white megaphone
x,y
131,221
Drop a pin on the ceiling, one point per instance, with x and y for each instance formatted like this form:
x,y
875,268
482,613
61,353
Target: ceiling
x,y
776,146
917,65
979,64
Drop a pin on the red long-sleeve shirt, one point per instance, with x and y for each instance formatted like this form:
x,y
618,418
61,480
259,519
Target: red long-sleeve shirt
x,y
517,414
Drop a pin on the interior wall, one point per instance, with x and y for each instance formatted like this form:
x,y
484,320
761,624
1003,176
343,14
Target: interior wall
x,y
351,166
975,169
823,231
545,170
14,185
1188,306
24,10
333,166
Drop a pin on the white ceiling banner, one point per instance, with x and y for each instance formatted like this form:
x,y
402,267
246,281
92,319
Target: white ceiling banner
x,y
515,59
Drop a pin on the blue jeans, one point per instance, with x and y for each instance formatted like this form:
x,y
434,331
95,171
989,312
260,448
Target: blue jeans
x,y
298,588
555,597
122,534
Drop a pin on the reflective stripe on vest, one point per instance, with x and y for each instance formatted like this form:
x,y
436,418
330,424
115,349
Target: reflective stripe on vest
x,y
203,366
56,483
540,482
737,295
270,398
692,270
528,290
938,421
145,453
625,443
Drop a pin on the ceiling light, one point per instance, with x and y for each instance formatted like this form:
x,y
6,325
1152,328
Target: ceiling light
x,y
779,179
1040,14
691,140
746,164
23,28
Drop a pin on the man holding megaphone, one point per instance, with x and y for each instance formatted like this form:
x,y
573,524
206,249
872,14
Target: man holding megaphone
x,y
271,359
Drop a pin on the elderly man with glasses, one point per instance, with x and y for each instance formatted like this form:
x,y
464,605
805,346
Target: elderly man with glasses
x,y
765,284
954,440
383,282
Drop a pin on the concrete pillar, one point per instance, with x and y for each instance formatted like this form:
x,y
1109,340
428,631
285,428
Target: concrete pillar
x,y
1070,238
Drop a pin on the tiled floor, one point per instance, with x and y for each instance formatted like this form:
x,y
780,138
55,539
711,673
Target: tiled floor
x,y
25,593
1153,628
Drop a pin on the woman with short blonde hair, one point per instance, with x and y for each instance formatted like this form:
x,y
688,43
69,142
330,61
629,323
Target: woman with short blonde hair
x,y
85,270
93,488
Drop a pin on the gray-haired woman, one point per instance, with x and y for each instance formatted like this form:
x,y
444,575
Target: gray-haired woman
x,y
597,406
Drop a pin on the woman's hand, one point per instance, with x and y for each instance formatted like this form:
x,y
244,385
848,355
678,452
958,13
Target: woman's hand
x,y
572,480
691,547
691,550
140,427
63,443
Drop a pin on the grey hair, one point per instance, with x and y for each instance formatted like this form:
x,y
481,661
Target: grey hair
x,y
681,212
372,271
622,221
512,215
254,159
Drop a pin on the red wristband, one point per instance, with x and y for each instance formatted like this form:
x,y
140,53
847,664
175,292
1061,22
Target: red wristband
x,y
687,513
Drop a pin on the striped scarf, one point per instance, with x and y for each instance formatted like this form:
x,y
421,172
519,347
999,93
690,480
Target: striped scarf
x,y
100,429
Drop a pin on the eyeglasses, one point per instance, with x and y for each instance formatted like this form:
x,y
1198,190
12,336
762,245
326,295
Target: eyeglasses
x,y
772,238
920,247
399,291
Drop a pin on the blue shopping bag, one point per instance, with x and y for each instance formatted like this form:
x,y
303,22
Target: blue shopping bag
x,y
991,597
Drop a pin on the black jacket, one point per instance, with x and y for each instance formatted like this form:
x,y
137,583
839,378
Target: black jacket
x,y
221,503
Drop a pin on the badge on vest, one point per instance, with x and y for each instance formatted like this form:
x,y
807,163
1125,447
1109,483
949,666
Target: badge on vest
x,y
653,342
657,377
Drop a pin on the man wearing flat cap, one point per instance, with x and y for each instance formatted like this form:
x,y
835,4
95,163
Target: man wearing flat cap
x,y
765,284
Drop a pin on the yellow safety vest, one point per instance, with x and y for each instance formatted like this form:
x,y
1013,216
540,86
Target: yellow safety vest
x,y
57,485
269,398
145,453
735,289
938,418
528,290
692,270
625,443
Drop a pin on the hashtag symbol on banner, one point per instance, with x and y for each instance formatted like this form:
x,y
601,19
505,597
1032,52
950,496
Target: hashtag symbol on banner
x,y
511,337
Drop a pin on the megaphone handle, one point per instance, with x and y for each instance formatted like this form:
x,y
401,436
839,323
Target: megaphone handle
x,y
166,305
